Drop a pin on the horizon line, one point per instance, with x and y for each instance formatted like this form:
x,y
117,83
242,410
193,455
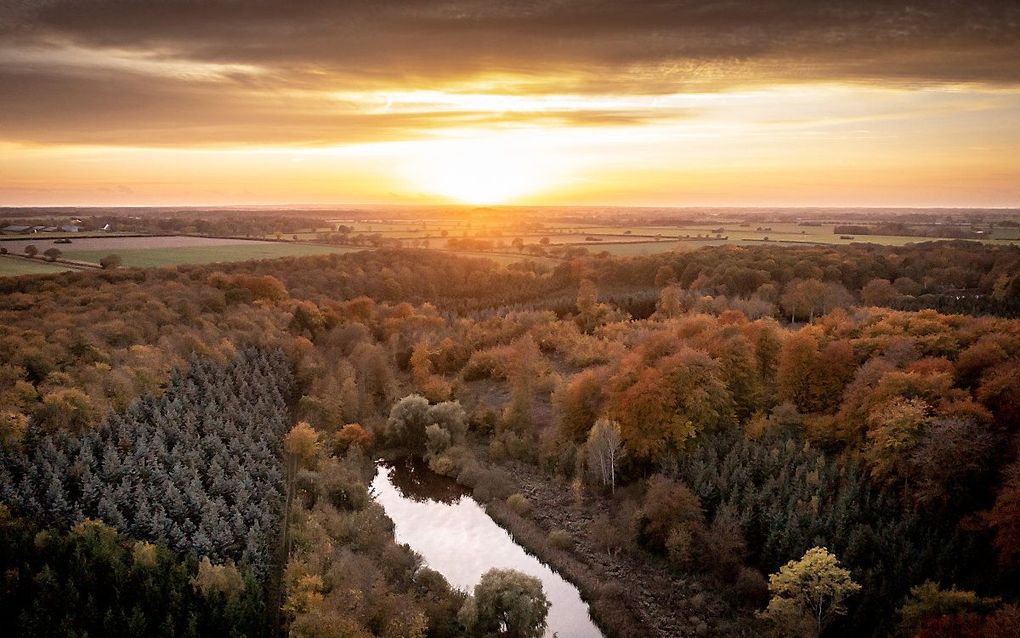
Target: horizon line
x,y
467,207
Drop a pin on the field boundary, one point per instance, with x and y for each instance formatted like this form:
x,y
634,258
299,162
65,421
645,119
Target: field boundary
x,y
71,263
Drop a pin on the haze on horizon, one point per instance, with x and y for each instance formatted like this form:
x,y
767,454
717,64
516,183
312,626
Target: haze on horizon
x,y
773,103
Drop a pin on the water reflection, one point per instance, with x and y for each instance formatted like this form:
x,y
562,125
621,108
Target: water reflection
x,y
457,538
413,478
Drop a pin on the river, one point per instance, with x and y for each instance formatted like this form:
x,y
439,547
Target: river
x,y
439,520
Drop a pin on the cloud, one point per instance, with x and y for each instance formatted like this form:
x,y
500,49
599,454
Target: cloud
x,y
91,106
260,71
930,40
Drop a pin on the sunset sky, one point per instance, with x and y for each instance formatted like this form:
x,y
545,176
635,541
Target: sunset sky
x,y
793,102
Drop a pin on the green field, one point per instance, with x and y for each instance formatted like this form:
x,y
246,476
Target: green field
x,y
150,257
695,234
777,232
622,240
13,266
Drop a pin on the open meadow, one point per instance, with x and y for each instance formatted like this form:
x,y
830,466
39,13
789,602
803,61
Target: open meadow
x,y
15,266
242,251
153,251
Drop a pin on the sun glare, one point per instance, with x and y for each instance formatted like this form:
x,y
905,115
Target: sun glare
x,y
481,171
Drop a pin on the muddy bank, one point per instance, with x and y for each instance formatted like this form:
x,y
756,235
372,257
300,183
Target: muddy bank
x,y
631,594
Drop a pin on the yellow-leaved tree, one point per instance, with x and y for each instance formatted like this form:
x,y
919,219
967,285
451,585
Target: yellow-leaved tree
x,y
808,593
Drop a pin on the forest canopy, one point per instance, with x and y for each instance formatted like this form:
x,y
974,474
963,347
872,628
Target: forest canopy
x,y
707,417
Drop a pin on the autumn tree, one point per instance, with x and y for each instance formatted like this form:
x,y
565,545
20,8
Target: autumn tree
x,y
835,296
225,579
725,545
302,444
879,292
52,254
420,363
109,262
67,409
434,387
579,402
832,370
803,298
352,434
670,303
983,355
668,506
13,425
739,369
307,319
660,408
265,287
894,429
795,367
998,391
807,594
604,451
373,379
590,313
524,367
664,276
928,601
506,604
767,338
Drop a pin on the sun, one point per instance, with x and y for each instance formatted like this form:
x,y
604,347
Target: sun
x,y
481,171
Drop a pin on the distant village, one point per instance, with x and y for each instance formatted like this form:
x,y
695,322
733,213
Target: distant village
x,y
75,226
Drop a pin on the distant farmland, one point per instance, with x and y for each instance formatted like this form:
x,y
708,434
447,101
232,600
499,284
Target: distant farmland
x,y
14,266
616,239
144,252
115,244
504,242
150,257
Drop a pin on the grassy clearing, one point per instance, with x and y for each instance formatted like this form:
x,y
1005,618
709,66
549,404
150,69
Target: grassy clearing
x,y
147,258
14,266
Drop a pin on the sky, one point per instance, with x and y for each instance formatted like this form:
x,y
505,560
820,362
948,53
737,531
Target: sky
x,y
572,102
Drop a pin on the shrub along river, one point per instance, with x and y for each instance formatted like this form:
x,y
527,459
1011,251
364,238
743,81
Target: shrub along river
x,y
438,519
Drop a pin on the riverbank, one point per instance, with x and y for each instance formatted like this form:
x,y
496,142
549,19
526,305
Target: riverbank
x,y
612,608
629,595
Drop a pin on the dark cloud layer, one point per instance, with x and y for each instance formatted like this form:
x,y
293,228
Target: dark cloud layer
x,y
942,40
588,45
